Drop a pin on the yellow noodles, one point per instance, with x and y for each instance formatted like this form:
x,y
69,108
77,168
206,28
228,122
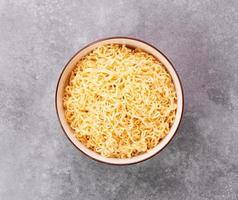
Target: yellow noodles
x,y
119,101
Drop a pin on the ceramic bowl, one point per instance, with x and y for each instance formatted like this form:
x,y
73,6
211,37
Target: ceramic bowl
x,y
134,43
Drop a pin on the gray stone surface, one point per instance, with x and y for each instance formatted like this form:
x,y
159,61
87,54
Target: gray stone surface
x,y
36,40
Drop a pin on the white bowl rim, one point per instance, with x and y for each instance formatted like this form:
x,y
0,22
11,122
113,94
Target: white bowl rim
x,y
165,141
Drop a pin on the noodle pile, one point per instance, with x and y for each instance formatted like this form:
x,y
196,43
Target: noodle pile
x,y
120,102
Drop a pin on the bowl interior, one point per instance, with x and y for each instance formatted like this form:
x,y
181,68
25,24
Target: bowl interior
x,y
63,80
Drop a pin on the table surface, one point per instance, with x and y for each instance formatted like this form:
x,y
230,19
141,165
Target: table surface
x,y
37,38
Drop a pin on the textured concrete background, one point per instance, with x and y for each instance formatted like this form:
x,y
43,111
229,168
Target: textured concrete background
x,y
37,38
